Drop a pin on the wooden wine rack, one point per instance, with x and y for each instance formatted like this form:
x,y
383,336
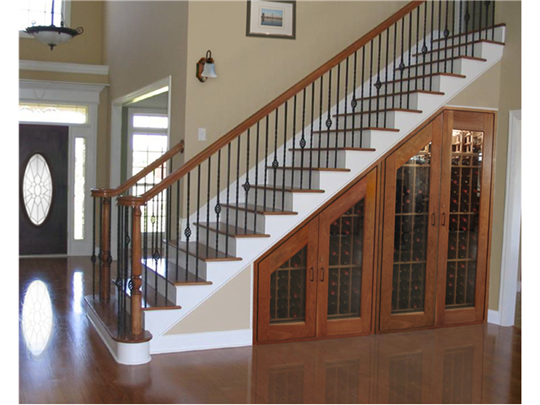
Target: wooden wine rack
x,y
464,218
410,237
345,263
287,290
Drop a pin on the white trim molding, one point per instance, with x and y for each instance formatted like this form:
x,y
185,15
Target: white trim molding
x,y
494,317
512,224
201,341
62,67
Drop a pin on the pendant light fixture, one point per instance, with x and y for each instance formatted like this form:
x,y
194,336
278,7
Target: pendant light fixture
x,y
51,35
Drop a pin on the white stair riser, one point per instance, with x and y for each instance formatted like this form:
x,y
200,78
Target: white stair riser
x,y
274,198
208,237
244,221
391,101
319,158
192,260
296,178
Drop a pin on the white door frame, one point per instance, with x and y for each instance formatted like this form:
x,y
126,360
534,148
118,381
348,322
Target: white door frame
x,y
116,137
512,224
39,91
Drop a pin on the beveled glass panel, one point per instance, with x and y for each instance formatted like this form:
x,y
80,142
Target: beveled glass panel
x,y
463,224
410,233
288,290
37,189
345,264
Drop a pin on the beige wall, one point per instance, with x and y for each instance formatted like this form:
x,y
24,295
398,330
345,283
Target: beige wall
x,y
86,48
143,43
251,70
499,88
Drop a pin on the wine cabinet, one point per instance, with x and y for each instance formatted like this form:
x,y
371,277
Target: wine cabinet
x,y
436,224
319,281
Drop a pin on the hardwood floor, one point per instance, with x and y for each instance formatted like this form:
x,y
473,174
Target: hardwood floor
x,y
480,363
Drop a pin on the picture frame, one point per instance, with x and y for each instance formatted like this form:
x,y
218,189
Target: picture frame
x,y
271,19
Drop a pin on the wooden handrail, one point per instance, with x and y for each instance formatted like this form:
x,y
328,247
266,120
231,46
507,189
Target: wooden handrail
x,y
104,192
271,106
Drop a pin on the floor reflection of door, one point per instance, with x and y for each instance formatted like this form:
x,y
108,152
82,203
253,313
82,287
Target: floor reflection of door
x,y
43,176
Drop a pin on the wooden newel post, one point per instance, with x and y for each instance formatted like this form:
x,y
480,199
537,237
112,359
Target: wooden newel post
x,y
136,271
106,258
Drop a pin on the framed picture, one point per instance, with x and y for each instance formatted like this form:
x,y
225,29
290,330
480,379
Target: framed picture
x,y
273,19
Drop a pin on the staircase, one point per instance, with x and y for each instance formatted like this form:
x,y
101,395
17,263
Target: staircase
x,y
185,238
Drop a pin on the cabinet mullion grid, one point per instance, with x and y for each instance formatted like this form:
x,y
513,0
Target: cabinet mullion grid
x,y
460,181
339,265
351,248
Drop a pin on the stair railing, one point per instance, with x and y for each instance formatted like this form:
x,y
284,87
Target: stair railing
x,y
249,172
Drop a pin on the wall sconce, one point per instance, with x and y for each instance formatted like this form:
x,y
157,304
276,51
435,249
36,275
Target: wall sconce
x,y
206,67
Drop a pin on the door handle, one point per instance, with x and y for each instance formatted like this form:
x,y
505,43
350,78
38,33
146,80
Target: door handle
x,y
443,219
312,274
433,219
322,273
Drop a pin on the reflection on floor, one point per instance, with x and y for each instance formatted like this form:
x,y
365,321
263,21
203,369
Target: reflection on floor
x,y
63,360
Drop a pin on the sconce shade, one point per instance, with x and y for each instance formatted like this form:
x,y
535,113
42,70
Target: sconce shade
x,y
209,70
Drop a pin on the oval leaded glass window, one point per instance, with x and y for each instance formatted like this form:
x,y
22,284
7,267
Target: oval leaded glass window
x,y
37,189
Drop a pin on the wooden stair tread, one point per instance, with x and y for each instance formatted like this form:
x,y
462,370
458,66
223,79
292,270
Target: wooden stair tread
x,y
205,253
471,32
356,129
259,209
401,93
288,189
232,230
333,149
315,169
478,41
430,62
107,313
407,110
406,79
182,279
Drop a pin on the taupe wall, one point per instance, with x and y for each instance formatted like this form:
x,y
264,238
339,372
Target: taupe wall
x,y
143,43
251,70
499,88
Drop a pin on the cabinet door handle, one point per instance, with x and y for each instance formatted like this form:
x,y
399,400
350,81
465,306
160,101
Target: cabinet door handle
x,y
322,273
443,218
312,274
433,219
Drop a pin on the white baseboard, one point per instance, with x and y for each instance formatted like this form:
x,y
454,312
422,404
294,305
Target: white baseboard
x,y
201,341
494,317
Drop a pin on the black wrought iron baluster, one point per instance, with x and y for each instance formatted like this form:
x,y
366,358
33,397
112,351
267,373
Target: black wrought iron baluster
x,y
265,166
424,49
145,257
294,139
337,112
208,185
416,47
493,21
386,76
228,194
311,136
345,108
354,102
439,39
402,64
217,208
460,33
378,83
100,256
479,21
238,184
446,34
256,175
394,70
320,123
467,18
409,63
275,162
370,81
473,26
187,231
178,237
328,119
198,208
93,258
362,97
486,3
431,53
167,239
161,236
303,138
284,157
246,185
453,37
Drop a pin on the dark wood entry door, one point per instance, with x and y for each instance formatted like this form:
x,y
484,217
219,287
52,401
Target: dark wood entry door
x,y
43,181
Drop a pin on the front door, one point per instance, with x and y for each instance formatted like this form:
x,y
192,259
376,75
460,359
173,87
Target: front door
x,y
43,179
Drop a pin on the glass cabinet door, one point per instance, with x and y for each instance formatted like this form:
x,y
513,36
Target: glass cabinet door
x,y
464,221
410,231
346,237
287,290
